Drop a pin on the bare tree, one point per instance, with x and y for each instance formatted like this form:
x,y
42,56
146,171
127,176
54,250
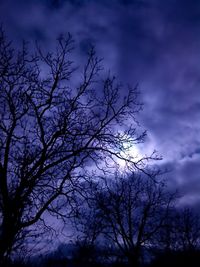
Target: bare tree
x,y
52,129
178,241
88,225
133,210
182,231
188,228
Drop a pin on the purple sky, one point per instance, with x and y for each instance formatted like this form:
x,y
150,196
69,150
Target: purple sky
x,y
154,43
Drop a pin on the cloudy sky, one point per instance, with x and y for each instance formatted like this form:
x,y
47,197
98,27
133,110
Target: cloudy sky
x,y
151,42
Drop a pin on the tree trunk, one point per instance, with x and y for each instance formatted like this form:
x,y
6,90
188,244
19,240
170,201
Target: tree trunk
x,y
8,234
134,258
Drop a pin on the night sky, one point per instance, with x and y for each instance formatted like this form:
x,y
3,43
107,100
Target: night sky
x,y
153,43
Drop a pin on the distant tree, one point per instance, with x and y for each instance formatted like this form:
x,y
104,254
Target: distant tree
x,y
133,210
126,212
165,240
179,239
187,231
55,121
181,231
88,225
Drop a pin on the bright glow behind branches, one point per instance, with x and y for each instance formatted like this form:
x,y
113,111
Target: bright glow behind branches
x,y
130,152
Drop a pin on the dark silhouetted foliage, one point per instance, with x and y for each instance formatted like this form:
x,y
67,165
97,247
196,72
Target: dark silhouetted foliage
x,y
55,122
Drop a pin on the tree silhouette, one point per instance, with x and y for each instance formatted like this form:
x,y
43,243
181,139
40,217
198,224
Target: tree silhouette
x,y
56,121
129,211
187,231
181,231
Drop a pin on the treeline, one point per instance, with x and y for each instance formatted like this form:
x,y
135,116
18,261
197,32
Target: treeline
x,y
129,221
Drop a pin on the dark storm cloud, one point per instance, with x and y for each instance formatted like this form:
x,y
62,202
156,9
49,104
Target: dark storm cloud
x,y
185,177
153,42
